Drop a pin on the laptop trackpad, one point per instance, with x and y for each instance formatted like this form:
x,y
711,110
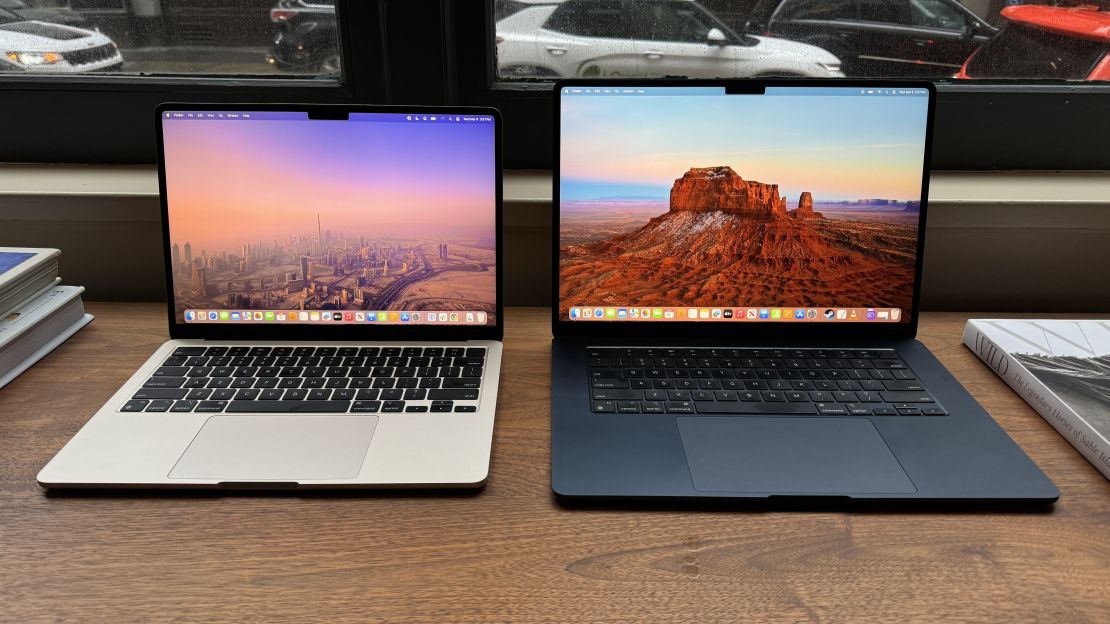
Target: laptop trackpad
x,y
277,448
820,456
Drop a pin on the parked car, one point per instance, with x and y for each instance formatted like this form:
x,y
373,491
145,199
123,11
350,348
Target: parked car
x,y
903,38
18,11
1064,43
305,36
53,48
644,38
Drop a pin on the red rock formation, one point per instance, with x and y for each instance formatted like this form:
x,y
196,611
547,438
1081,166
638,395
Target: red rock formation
x,y
720,189
805,208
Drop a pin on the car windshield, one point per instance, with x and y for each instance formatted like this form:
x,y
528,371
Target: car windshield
x,y
1025,52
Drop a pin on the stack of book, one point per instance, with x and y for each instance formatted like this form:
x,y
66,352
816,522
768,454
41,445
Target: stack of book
x,y
37,313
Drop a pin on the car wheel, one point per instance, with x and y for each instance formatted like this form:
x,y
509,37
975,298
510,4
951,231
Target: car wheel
x,y
527,71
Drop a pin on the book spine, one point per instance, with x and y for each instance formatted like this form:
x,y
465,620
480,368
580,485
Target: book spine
x,y
1066,422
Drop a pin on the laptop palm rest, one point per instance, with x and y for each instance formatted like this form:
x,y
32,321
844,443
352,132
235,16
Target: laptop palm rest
x,y
789,455
280,448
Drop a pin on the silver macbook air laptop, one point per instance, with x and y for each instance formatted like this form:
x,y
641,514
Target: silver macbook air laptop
x,y
334,303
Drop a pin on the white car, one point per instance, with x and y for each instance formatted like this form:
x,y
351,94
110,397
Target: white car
x,y
596,38
35,46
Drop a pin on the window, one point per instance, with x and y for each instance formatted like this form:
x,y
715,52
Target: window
x,y
1027,52
819,10
286,39
676,21
1053,85
604,20
83,77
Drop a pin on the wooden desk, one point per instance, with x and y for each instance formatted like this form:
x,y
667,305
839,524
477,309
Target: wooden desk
x,y
510,553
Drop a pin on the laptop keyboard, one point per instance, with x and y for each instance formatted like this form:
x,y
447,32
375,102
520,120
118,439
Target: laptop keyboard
x,y
305,379
827,382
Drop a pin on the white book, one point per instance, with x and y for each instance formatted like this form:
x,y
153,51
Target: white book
x,y
25,272
37,326
1061,368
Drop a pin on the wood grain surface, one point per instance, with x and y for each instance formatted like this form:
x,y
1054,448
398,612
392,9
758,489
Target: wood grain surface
x,y
510,553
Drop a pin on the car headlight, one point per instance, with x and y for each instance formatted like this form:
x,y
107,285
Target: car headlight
x,y
833,67
34,58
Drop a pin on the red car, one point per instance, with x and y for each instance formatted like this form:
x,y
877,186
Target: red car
x,y
1063,43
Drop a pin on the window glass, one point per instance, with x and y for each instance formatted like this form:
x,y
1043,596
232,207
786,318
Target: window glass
x,y
937,14
267,38
677,21
1027,52
818,10
589,19
1043,39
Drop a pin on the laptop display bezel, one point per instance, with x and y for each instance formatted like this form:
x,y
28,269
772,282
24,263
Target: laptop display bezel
x,y
739,329
291,331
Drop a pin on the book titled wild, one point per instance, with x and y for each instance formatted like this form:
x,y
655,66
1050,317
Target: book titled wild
x,y
1061,368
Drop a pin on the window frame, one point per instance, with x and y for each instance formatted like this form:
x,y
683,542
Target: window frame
x,y
980,126
108,119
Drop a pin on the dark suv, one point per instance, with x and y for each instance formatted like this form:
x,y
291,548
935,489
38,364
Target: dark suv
x,y
305,37
920,38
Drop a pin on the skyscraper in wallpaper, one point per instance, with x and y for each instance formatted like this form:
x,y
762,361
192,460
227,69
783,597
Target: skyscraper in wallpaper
x,y
293,214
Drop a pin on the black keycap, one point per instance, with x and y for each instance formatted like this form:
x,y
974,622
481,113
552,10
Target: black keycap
x,y
392,394
259,351
159,405
600,407
344,394
215,351
680,407
652,407
366,406
213,406
313,382
171,371
615,395
906,397
319,394
273,394
223,394
393,406
288,406
933,411
242,382
195,382
175,360
628,407
442,406
246,394
908,411
472,371
296,394
184,405
466,408
346,351
367,394
186,351
159,393
198,394
831,409
884,411
678,395
743,407
134,405
416,408
857,409
415,394
266,382
336,382
900,385
217,382
290,382
303,351
773,396
164,382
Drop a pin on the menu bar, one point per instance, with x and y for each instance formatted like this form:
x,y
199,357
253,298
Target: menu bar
x,y
429,317
795,315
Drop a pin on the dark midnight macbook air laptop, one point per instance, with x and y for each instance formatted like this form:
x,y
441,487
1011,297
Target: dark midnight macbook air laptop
x,y
737,274
334,305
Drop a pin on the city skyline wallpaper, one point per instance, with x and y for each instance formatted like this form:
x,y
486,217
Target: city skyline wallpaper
x,y
332,215
806,201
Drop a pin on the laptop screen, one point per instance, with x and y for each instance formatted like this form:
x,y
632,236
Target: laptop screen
x,y
800,205
382,218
